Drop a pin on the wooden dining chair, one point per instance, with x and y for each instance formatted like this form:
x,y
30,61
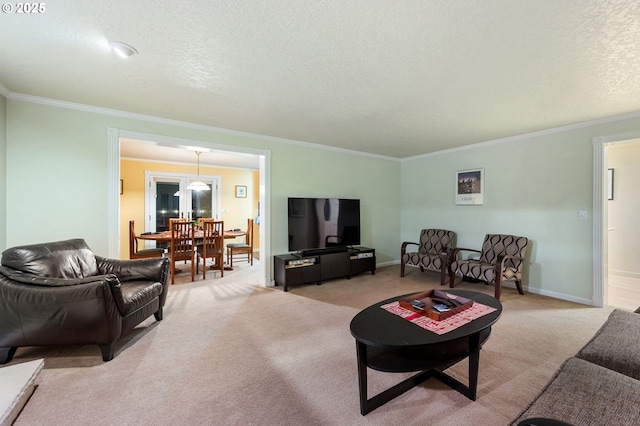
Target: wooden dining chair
x,y
202,219
212,246
134,253
245,248
182,246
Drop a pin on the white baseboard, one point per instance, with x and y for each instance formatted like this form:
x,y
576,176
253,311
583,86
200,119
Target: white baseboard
x,y
624,273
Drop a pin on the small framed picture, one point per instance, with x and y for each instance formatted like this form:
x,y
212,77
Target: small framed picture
x,y
121,187
470,187
241,191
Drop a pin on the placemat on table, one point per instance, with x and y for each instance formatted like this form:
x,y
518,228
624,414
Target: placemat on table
x,y
439,327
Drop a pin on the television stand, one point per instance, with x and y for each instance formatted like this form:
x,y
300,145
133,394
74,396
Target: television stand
x,y
318,252
321,265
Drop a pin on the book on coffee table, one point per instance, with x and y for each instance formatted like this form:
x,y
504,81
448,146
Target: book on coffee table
x,y
436,304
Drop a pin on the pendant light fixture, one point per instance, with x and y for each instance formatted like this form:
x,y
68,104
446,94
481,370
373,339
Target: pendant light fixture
x,y
198,185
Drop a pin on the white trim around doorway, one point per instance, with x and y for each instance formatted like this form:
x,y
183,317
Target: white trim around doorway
x,y
113,188
600,218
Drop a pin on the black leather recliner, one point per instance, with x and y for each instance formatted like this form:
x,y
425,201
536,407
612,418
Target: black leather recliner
x,y
62,293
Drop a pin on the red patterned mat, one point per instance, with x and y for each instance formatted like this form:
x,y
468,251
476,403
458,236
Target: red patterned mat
x,y
444,326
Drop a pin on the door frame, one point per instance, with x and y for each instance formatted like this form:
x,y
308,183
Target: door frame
x,y
600,216
113,188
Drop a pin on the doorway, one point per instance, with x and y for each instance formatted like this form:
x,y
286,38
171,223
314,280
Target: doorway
x,y
623,231
600,294
263,160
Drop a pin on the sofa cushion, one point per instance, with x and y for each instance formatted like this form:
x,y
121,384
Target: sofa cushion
x,y
586,394
616,345
60,259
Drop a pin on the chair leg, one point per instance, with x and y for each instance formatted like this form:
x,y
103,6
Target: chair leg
x,y
498,292
108,351
172,271
519,286
401,269
452,278
204,268
7,353
158,314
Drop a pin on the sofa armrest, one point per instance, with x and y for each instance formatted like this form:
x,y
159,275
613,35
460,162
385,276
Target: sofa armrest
x,y
154,269
138,269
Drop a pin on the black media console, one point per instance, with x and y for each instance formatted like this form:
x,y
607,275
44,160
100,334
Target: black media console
x,y
322,265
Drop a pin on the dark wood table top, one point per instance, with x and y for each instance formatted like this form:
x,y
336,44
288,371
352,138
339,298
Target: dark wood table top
x,y
376,327
164,237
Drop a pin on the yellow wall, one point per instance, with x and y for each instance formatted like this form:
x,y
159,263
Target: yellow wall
x,y
234,211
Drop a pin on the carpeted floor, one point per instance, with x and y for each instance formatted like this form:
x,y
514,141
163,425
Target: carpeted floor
x,y
231,353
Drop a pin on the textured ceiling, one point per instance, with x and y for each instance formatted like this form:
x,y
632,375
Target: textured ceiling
x,y
394,78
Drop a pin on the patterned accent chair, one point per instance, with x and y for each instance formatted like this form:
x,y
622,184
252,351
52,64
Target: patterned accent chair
x,y
433,252
501,259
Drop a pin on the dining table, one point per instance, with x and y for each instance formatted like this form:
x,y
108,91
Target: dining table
x,y
165,237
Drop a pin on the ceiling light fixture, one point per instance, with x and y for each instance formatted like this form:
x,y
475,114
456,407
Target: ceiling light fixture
x,y
122,49
198,185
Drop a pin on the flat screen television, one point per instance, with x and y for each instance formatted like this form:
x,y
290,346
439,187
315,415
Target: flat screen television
x,y
323,223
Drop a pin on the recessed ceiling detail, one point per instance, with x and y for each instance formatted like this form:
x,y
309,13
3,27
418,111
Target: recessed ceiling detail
x,y
123,50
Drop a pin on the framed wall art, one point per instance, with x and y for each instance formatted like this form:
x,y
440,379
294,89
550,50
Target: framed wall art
x,y
470,187
241,191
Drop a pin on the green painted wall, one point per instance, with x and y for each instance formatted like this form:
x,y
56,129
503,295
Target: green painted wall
x,y
57,186
534,187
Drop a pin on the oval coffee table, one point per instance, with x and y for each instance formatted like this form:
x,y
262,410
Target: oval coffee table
x,y
389,343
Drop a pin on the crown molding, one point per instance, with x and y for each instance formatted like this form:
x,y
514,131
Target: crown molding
x,y
524,136
185,124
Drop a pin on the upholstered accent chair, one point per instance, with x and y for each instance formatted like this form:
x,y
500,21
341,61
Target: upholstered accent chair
x,y
432,252
501,259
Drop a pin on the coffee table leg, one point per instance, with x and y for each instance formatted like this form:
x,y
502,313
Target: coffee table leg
x,y
470,390
368,405
361,351
474,365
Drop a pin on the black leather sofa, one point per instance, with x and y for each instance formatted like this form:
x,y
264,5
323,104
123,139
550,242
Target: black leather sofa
x,y
61,293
